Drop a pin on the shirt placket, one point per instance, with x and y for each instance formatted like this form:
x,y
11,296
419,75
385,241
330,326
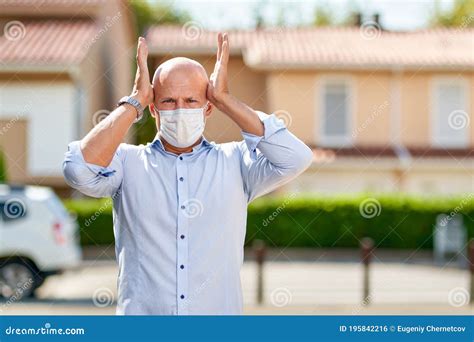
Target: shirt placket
x,y
182,293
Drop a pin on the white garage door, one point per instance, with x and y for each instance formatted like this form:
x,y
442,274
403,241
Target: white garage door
x,y
48,107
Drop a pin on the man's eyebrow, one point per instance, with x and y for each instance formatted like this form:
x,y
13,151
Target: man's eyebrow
x,y
187,98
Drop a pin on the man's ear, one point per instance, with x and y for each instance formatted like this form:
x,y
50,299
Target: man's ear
x,y
151,107
154,115
209,109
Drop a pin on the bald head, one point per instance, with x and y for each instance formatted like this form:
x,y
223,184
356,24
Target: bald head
x,y
179,65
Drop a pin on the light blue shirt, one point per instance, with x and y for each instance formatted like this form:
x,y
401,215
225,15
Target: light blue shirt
x,y
180,221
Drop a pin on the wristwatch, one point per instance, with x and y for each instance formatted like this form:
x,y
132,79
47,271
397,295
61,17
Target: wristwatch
x,y
135,103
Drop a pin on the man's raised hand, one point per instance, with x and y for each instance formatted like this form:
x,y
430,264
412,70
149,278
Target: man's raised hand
x,y
142,89
218,89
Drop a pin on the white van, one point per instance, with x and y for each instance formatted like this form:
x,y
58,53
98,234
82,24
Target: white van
x,y
38,238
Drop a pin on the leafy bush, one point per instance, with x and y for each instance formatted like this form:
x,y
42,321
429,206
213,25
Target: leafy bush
x,y
95,220
392,221
3,168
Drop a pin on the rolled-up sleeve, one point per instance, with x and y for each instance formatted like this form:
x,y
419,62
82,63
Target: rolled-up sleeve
x,y
273,159
92,180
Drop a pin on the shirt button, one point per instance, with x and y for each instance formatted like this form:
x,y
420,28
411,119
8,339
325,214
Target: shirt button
x,y
180,158
182,296
182,236
182,266
181,179
183,207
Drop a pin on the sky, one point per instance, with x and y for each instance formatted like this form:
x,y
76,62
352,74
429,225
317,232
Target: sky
x,y
221,14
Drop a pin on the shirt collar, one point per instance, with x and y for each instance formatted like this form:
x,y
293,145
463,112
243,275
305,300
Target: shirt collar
x,y
159,145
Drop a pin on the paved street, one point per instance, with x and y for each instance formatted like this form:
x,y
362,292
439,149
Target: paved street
x,y
290,288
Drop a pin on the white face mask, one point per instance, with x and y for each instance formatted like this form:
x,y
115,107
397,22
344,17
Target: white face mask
x,y
182,127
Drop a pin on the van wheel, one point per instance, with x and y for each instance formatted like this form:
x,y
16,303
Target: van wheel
x,y
17,280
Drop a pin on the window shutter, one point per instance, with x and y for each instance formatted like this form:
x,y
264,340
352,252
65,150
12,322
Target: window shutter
x,y
336,110
451,129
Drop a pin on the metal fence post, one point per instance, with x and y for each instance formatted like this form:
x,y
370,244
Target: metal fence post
x,y
367,247
260,251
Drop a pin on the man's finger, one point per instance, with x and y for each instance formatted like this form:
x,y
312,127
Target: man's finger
x,y
219,46
219,51
142,54
225,49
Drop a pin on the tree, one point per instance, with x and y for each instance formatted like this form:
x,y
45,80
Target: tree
x,y
460,15
323,16
147,14
3,168
258,14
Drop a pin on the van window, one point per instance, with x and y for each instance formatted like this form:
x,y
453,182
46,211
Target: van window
x,y
12,209
57,207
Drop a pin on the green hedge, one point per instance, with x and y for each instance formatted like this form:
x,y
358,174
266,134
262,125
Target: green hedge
x,y
3,168
95,220
395,221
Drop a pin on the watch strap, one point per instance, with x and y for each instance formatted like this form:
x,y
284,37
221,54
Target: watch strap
x,y
133,102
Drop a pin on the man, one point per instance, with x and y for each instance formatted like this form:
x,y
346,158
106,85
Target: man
x,y
180,202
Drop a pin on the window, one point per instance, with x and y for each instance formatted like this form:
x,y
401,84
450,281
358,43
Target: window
x,y
335,124
450,118
57,207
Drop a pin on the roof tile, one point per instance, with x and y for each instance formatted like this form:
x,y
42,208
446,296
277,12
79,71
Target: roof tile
x,y
315,47
49,42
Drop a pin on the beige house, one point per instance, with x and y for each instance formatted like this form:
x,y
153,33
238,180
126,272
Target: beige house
x,y
63,66
384,111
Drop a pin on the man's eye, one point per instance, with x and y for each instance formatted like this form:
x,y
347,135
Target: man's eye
x,y
192,100
168,101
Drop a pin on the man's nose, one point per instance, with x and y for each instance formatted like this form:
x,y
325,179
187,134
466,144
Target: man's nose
x,y
180,103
